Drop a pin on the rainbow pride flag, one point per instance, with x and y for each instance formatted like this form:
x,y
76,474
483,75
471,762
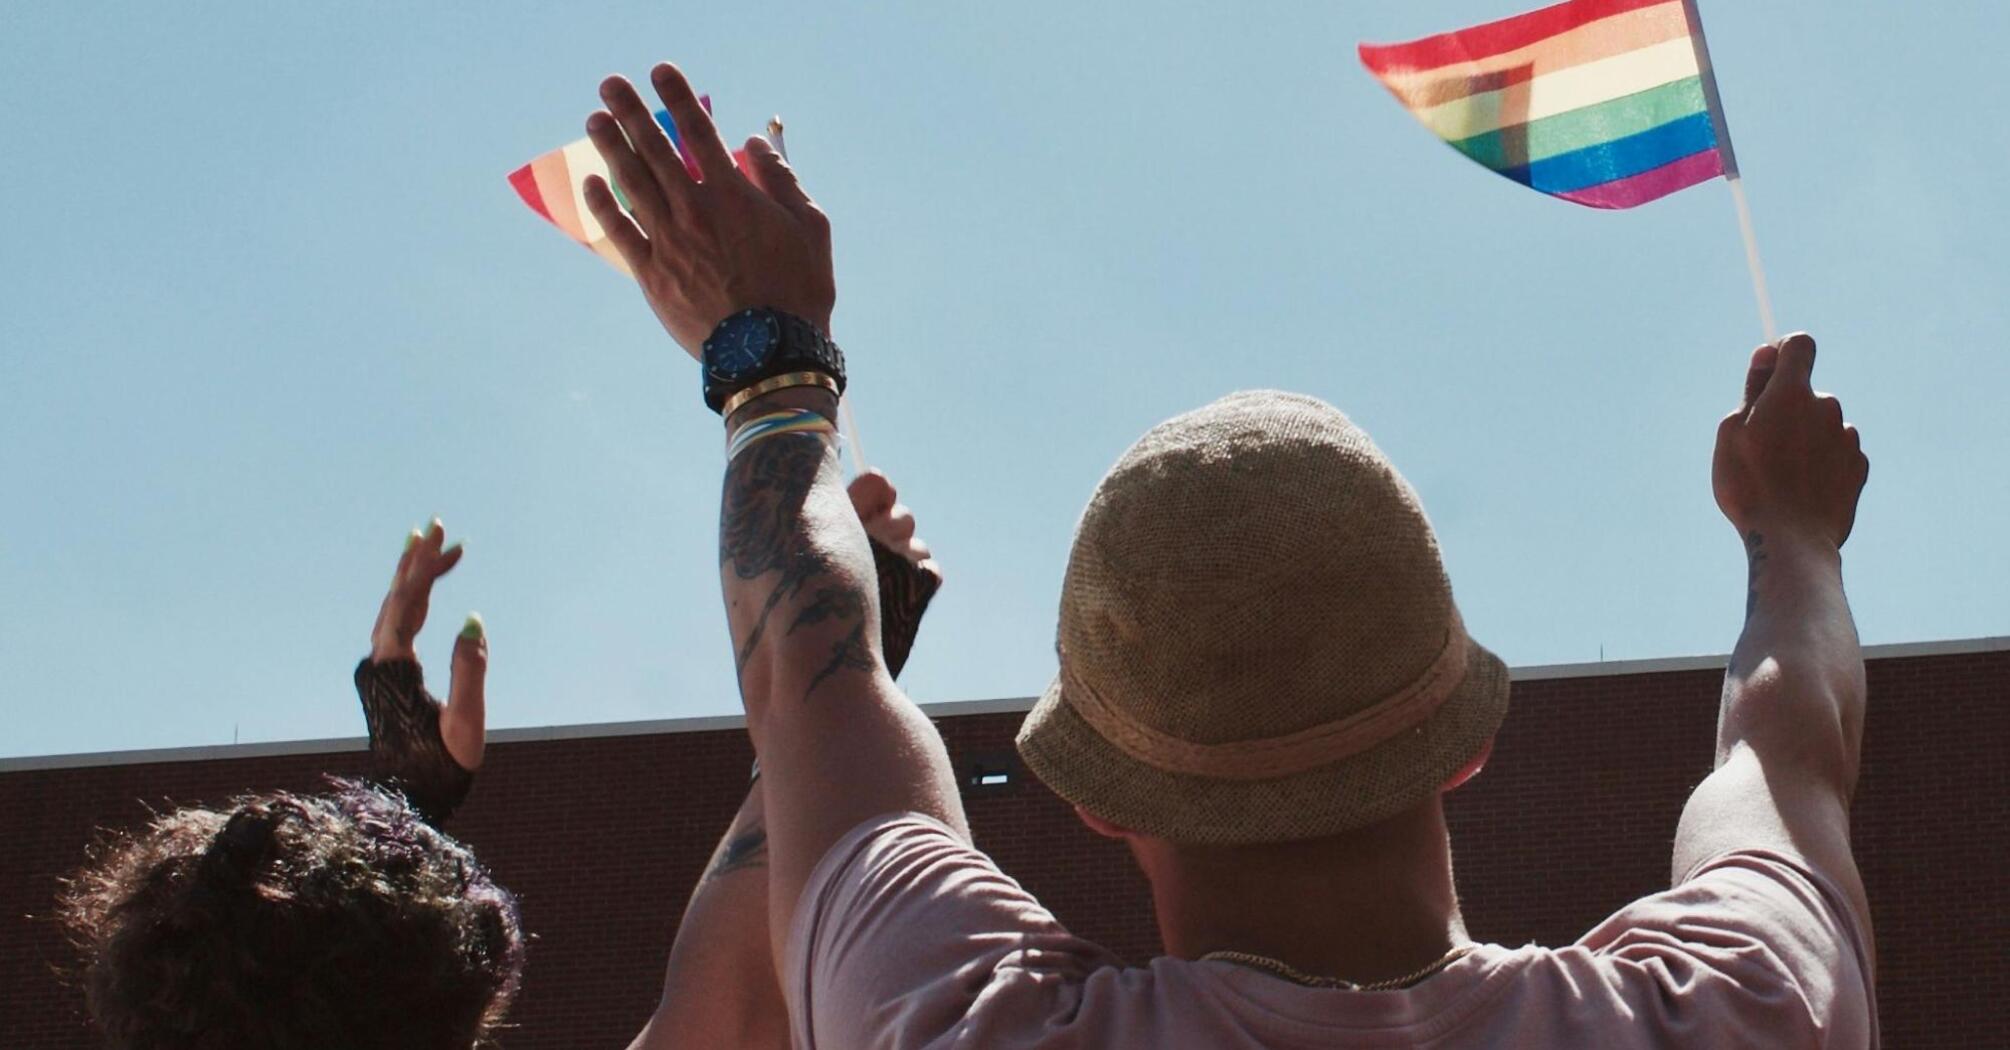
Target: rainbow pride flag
x,y
554,185
1606,103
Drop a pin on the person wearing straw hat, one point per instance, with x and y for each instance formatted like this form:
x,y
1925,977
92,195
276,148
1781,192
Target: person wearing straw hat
x,y
1265,687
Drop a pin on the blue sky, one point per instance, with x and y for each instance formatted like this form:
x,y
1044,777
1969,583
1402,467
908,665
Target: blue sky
x,y
266,302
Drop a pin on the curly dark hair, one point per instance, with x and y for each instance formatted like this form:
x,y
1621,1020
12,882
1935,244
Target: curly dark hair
x,y
294,921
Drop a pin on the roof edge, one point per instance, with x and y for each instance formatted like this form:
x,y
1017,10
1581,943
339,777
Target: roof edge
x,y
948,709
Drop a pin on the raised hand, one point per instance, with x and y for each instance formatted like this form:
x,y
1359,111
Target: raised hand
x,y
461,723
889,522
403,612
908,573
1786,463
705,248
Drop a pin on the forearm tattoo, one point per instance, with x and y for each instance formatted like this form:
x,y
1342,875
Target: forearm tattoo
x,y
761,526
850,653
763,533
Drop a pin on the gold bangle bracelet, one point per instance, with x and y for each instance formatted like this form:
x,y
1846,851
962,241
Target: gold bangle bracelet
x,y
770,385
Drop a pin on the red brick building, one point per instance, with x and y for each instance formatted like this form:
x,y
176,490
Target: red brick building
x,y
602,831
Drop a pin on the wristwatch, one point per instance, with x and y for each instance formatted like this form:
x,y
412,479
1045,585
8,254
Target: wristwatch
x,y
761,343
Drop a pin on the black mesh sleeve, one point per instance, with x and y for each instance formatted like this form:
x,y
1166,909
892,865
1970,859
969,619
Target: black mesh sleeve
x,y
405,743
904,594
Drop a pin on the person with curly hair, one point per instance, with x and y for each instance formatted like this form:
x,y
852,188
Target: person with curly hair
x,y
345,919
349,919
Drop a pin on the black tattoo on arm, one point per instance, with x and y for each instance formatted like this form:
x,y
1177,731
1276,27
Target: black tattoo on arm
x,y
761,526
848,653
763,533
830,603
749,849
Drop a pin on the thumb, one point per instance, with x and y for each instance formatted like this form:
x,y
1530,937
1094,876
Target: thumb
x,y
775,178
464,721
1796,368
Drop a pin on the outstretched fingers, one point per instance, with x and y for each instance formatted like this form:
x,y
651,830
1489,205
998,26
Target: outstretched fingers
x,y
403,613
695,131
406,559
631,171
434,558
645,137
628,238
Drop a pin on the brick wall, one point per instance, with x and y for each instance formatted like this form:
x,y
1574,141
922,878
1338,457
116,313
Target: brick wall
x,y
603,837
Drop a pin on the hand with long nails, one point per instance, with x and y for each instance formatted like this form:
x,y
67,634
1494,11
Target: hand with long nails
x,y
403,613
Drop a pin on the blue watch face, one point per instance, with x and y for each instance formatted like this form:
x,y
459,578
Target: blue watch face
x,y
740,345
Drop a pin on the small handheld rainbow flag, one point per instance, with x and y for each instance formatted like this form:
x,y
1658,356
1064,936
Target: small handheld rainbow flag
x,y
554,185
1605,103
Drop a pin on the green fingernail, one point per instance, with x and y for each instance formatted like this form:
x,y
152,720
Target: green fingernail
x,y
473,630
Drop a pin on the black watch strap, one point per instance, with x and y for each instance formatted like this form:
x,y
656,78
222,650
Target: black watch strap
x,y
801,347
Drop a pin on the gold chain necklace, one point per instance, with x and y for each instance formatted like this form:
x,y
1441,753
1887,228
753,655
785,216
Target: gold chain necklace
x,y
1285,970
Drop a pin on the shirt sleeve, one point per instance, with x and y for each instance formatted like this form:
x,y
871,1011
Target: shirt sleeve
x,y
1751,946
908,937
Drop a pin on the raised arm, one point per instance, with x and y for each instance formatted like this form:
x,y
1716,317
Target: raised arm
x,y
719,984
1787,474
425,749
838,742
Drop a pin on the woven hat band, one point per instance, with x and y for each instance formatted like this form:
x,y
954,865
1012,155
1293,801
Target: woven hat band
x,y
1279,756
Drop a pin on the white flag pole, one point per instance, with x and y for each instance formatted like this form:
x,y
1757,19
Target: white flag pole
x,y
1752,263
1731,174
847,422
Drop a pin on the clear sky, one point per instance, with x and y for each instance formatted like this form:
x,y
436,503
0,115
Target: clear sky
x,y
266,302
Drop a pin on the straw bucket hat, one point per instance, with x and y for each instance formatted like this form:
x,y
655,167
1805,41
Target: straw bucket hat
x,y
1257,640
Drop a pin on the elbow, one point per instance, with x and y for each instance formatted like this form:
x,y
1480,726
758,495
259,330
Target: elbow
x,y
1804,727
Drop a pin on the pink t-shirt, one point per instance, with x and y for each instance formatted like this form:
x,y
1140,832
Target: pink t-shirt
x,y
907,937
